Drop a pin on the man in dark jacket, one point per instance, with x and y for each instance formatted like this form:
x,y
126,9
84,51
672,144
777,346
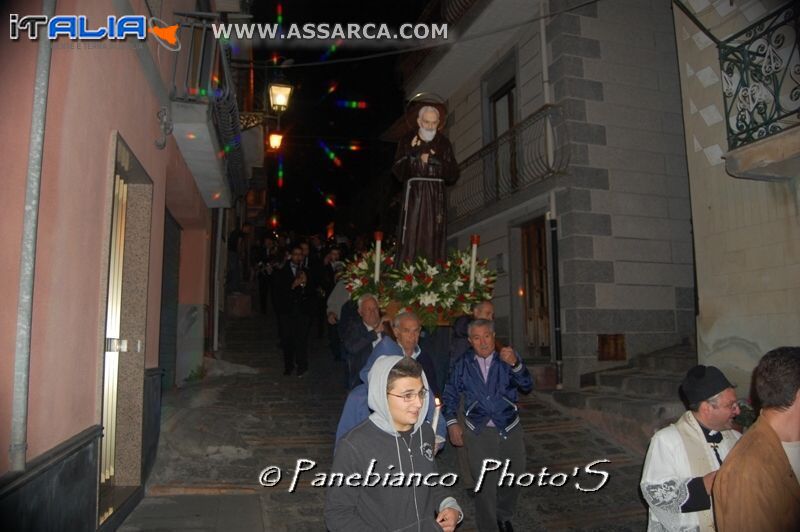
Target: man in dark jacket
x,y
488,382
359,337
293,292
459,344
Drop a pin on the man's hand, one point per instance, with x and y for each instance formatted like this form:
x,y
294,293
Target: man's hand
x,y
456,433
424,158
708,481
332,318
448,519
507,355
300,280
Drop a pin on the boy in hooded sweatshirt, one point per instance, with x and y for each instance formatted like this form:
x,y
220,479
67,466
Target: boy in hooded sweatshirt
x,y
399,441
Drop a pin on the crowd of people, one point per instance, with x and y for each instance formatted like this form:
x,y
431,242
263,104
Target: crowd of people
x,y
406,398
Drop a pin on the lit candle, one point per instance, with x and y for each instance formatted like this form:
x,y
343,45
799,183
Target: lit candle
x,y
437,409
378,238
474,240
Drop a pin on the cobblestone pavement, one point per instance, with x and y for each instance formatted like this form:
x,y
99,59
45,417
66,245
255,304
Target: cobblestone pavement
x,y
218,435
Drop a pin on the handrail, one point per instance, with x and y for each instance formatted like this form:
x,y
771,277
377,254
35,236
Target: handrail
x,y
533,150
760,70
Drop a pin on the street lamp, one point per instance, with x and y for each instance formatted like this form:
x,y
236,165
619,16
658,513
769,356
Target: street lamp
x,y
275,139
279,94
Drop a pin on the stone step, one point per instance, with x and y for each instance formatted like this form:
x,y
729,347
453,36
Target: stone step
x,y
634,381
611,401
678,359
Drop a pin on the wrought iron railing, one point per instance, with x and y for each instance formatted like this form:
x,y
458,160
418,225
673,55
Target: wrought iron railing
x,y
202,73
530,152
760,69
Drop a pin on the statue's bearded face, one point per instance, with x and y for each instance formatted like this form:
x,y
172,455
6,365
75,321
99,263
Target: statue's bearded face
x,y
428,123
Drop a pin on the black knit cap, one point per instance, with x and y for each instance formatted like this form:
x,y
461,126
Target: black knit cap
x,y
703,382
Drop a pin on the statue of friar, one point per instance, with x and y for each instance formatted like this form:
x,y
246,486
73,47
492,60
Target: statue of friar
x,y
425,163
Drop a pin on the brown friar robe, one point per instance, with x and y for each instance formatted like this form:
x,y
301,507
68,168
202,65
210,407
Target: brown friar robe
x,y
756,489
423,220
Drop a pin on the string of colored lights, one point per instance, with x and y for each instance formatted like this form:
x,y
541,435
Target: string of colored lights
x,y
280,170
349,147
328,199
330,154
331,50
279,17
351,104
226,149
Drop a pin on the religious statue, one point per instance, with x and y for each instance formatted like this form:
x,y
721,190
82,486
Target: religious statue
x,y
425,163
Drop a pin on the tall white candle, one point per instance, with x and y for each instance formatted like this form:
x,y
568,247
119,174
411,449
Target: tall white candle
x,y
378,238
475,240
436,412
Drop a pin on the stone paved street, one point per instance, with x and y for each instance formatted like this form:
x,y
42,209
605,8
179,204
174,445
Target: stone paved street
x,y
218,435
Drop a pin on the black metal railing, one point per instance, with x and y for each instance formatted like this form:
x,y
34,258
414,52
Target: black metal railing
x,y
530,152
201,73
760,69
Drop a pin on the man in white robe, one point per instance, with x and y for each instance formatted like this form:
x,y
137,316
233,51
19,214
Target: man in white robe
x,y
684,457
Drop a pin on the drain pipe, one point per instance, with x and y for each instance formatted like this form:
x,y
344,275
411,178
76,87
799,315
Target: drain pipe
x,y
22,354
552,222
551,215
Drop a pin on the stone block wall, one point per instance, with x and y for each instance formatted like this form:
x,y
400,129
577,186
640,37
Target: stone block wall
x,y
625,229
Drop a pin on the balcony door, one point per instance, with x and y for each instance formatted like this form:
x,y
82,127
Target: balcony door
x,y
536,306
505,167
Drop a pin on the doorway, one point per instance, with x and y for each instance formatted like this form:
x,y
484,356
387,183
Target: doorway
x,y
536,298
122,362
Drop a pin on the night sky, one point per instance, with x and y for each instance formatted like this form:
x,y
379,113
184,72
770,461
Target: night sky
x,y
360,186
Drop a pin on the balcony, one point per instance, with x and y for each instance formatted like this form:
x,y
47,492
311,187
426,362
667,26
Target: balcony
x,y
205,113
760,68
532,151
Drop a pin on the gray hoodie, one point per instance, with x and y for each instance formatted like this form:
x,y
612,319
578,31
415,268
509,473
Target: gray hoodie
x,y
380,506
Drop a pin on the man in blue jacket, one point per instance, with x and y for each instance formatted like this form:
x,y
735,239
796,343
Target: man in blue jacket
x,y
488,382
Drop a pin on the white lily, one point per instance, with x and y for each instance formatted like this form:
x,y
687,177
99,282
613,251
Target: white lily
x,y
428,298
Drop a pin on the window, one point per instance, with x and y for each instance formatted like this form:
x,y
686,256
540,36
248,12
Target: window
x,y
502,106
499,117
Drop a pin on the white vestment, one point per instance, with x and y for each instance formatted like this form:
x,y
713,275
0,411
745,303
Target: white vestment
x,y
677,454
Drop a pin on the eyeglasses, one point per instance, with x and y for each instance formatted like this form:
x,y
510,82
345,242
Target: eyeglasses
x,y
410,396
730,406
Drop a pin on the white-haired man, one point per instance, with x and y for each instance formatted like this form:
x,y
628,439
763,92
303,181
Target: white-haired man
x,y
361,336
488,381
425,163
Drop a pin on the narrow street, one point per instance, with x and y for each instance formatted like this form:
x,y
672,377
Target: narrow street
x,y
219,434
